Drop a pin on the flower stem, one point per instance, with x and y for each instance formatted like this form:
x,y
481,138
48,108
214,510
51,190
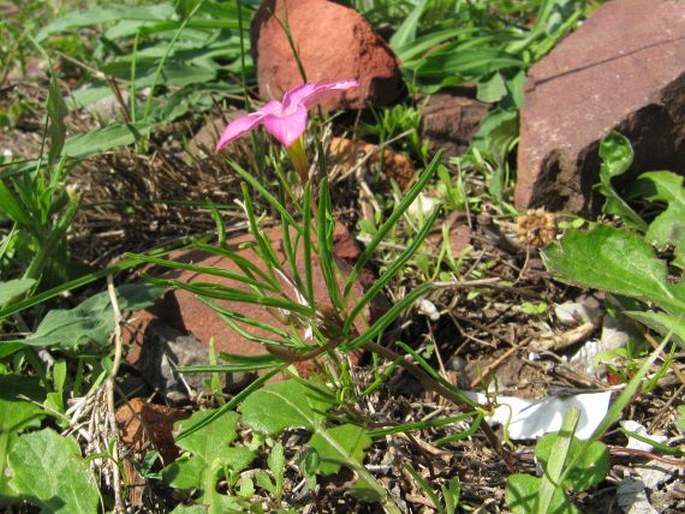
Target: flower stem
x,y
298,156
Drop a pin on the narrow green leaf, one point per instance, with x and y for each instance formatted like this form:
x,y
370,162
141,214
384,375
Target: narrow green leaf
x,y
207,270
389,317
10,205
100,140
406,32
271,199
392,220
325,227
111,13
466,63
57,130
392,270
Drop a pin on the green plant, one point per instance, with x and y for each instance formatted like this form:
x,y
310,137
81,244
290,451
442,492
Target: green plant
x,y
568,463
399,123
624,261
209,458
41,210
298,404
184,51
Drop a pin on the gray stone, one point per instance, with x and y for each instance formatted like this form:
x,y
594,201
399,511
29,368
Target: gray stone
x,y
623,69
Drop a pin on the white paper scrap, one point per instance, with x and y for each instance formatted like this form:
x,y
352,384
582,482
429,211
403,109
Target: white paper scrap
x,y
526,419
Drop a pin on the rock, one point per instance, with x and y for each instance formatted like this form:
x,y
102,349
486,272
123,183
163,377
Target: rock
x,y
623,69
165,350
183,311
333,43
449,121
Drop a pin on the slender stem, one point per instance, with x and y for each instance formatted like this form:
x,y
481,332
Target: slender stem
x,y
111,381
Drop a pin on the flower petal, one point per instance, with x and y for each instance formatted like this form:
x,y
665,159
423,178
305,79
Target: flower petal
x,y
287,129
311,93
238,127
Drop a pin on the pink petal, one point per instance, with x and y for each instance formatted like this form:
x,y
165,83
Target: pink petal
x,y
272,107
242,125
311,93
237,128
287,129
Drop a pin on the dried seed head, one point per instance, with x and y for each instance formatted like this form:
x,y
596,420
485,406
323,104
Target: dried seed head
x,y
536,228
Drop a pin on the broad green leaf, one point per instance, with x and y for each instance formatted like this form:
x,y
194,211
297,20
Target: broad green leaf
x,y
207,455
617,156
17,414
291,404
176,74
13,289
13,386
496,132
617,261
663,323
522,492
339,445
287,404
47,470
111,13
99,140
493,89
467,64
590,466
209,441
669,226
184,473
93,320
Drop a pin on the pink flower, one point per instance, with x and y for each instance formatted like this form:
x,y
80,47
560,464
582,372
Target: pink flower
x,y
286,120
